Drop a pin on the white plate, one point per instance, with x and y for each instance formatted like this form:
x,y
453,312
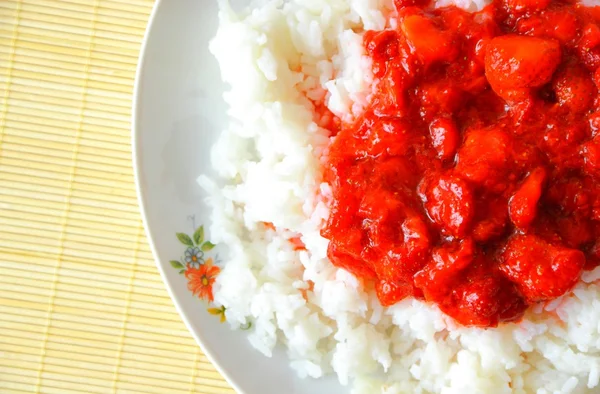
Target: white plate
x,y
178,113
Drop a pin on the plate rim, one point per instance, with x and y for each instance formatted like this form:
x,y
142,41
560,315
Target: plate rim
x,y
136,132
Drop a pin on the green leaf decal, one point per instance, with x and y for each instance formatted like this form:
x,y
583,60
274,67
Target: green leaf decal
x,y
182,271
176,264
184,239
206,246
199,235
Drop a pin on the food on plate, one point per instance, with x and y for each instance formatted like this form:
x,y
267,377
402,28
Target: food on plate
x,y
409,191
459,112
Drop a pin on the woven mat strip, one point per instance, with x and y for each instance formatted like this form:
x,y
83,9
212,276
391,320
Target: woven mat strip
x,y
82,306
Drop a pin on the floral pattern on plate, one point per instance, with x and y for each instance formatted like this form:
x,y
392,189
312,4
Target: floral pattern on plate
x,y
199,268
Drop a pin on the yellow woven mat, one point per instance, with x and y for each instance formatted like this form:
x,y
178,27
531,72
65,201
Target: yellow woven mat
x,y
82,306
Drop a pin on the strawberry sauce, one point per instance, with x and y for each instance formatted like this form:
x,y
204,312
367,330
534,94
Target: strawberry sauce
x,y
472,179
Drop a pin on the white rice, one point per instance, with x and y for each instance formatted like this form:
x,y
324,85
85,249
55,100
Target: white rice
x,y
277,59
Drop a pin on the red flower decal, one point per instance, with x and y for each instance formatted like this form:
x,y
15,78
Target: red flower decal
x,y
200,280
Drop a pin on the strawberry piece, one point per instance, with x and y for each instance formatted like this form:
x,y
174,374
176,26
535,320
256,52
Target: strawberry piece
x,y
558,23
589,46
394,102
438,277
484,299
483,157
428,41
526,6
449,202
522,206
381,46
354,265
574,88
541,270
402,261
444,137
513,61
390,293
441,97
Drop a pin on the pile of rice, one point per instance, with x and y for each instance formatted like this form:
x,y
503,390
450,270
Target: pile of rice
x,y
279,60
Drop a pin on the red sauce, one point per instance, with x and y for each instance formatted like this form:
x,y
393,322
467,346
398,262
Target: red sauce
x,y
472,180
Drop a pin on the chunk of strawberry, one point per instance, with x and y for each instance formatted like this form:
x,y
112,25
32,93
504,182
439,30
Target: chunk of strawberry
x,y
449,202
559,136
590,37
469,291
522,206
440,97
589,46
381,46
444,137
390,293
429,42
382,43
381,211
541,270
342,215
393,99
360,268
408,256
483,157
484,300
386,136
513,61
574,88
561,24
526,6
448,261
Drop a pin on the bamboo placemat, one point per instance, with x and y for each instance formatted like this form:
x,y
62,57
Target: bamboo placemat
x,y
82,306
